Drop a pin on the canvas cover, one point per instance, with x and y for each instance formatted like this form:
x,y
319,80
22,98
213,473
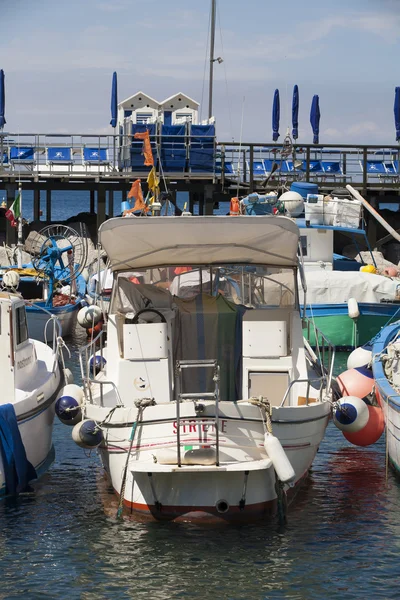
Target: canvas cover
x,y
209,327
336,287
138,242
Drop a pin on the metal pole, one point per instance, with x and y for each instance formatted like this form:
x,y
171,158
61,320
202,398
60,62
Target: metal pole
x,y
1,149
114,148
251,168
212,41
365,173
308,163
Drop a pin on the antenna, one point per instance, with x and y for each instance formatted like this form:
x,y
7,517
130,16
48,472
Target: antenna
x,y
212,59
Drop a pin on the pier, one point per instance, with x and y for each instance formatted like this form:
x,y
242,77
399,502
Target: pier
x,y
188,159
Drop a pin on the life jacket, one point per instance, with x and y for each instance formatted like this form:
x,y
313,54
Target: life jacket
x,y
235,207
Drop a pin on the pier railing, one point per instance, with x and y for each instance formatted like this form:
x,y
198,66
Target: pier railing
x,y
189,156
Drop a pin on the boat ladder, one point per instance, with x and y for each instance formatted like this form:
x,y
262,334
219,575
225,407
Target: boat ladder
x,y
181,366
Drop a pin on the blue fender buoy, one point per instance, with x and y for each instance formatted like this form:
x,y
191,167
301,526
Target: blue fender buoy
x,y
97,363
87,434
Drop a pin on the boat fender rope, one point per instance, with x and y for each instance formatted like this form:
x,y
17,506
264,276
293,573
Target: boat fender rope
x,y
141,405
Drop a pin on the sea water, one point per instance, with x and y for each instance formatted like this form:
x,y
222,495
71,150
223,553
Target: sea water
x,y
341,540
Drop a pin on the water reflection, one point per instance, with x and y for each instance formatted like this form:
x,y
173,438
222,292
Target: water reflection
x,y
341,540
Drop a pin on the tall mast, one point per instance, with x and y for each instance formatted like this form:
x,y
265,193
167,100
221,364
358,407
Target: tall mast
x,y
212,60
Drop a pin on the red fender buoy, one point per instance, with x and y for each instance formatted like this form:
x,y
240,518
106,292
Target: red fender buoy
x,y
371,432
356,382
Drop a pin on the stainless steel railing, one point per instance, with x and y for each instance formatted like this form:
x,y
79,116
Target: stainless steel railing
x,y
87,352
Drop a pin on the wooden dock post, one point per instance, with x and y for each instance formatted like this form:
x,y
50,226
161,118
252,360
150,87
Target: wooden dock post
x,y
36,205
92,198
208,199
48,205
101,205
110,203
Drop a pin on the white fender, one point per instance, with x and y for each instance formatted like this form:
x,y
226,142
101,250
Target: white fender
x,y
279,459
360,357
352,307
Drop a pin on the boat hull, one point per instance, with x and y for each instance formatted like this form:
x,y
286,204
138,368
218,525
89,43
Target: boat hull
x,y
388,397
335,323
36,433
243,488
37,319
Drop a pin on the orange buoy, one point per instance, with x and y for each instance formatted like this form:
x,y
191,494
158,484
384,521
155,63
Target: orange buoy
x,y
391,272
371,432
356,382
235,207
94,331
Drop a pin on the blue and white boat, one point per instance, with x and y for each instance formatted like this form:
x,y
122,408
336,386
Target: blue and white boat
x,y
52,281
386,371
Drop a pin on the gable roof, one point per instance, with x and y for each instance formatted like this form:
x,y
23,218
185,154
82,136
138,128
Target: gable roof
x,y
180,94
140,93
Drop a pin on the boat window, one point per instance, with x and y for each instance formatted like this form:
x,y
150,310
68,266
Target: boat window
x,y
251,285
21,325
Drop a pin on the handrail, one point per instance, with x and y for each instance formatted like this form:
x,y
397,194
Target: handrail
x,y
55,321
308,381
325,343
85,353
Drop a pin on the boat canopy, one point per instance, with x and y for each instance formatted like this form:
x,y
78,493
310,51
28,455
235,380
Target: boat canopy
x,y
139,242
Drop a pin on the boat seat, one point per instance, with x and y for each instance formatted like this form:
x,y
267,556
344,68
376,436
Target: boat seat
x,y
95,157
22,156
333,169
60,156
374,168
258,169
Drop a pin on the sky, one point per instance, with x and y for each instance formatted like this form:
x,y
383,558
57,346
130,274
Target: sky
x,y
58,59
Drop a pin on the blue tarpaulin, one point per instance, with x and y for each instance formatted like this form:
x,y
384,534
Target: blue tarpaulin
x,y
173,149
315,116
2,100
396,112
18,471
295,113
202,148
276,110
114,101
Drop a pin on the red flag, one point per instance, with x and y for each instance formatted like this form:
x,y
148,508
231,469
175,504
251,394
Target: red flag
x,y
147,153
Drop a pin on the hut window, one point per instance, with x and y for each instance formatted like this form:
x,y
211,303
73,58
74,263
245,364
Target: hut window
x,y
143,118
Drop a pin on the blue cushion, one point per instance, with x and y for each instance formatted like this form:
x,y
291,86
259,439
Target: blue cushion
x,y
95,155
59,154
22,153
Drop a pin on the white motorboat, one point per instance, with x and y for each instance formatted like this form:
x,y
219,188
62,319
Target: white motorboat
x,y
31,380
205,404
